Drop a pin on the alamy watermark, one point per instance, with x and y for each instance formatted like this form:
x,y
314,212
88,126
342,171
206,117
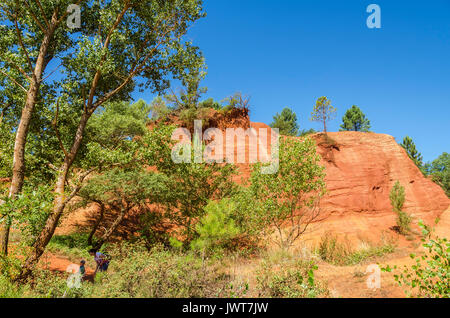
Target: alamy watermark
x,y
374,279
374,19
234,146
74,18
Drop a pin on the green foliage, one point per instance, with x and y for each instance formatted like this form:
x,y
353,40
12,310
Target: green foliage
x,y
77,240
8,289
288,199
192,185
306,132
286,122
397,197
210,103
413,154
189,115
439,169
158,273
28,212
217,229
289,281
336,252
430,275
355,120
6,148
323,112
117,122
159,109
125,188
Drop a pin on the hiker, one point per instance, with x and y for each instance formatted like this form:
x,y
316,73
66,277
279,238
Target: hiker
x,y
101,260
82,269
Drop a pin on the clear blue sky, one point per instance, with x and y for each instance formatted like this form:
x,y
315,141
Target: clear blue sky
x,y
290,52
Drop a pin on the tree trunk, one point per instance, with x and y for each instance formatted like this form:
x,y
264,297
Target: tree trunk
x,y
97,223
113,227
60,202
22,132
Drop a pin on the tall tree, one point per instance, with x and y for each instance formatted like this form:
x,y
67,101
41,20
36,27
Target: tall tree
x,y
355,120
286,122
410,147
31,36
192,184
323,112
130,44
439,169
287,201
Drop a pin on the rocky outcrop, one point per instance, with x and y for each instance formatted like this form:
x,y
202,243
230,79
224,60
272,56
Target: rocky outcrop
x,y
361,169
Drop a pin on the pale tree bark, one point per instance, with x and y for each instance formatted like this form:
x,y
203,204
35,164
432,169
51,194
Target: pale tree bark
x,y
60,201
24,125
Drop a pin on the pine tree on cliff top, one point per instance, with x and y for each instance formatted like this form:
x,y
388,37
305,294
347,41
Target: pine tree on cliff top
x,y
286,122
323,112
355,120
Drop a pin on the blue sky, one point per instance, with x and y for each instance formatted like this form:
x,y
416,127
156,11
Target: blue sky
x,y
290,52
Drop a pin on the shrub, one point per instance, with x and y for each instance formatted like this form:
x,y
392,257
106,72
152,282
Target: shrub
x,y
8,289
430,275
338,253
404,222
289,197
217,229
286,281
397,197
159,273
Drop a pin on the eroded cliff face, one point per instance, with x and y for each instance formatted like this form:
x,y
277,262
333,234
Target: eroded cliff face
x,y
361,169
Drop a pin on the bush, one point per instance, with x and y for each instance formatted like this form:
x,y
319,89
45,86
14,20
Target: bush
x,y
397,197
286,281
8,289
430,275
159,273
338,253
217,229
404,222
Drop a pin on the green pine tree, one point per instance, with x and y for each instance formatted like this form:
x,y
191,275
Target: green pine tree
x,y
286,122
323,111
355,120
410,147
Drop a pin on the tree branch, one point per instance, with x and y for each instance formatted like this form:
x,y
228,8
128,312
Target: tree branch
x,y
136,69
105,46
55,126
12,79
34,17
43,13
21,70
19,34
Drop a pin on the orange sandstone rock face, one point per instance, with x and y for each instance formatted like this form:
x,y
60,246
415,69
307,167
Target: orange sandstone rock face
x,y
361,169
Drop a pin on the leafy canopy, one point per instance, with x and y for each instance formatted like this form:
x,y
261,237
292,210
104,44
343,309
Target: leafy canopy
x,y
286,122
439,169
355,120
286,200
